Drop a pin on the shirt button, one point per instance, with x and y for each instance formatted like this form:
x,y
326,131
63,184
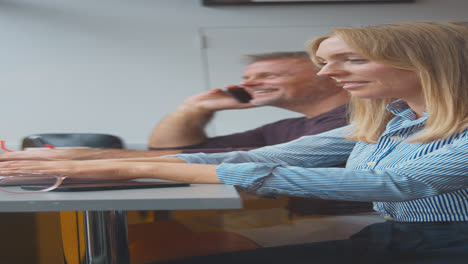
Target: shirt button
x,y
372,163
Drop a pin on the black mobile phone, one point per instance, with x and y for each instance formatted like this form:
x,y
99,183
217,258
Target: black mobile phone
x,y
239,94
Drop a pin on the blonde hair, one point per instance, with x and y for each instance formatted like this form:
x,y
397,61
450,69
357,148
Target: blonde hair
x,y
436,51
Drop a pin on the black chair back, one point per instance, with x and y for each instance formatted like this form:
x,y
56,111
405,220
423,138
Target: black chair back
x,y
90,140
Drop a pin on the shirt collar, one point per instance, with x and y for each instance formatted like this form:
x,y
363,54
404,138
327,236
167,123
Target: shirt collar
x,y
400,108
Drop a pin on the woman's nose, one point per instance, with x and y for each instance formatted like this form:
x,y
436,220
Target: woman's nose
x,y
329,71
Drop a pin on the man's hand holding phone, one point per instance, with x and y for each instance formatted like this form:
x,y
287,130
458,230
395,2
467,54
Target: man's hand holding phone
x,y
238,93
185,125
217,99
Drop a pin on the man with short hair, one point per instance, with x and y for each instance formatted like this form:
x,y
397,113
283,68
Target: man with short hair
x,y
281,79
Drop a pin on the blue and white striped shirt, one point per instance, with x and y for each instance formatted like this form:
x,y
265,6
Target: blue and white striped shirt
x,y
410,182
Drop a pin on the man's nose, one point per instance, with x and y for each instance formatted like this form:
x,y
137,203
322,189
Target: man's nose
x,y
249,82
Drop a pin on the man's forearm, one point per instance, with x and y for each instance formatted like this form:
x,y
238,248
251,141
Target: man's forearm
x,y
183,127
125,154
81,154
150,159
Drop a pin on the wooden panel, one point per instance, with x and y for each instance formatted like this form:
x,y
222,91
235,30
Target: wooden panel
x,y
18,238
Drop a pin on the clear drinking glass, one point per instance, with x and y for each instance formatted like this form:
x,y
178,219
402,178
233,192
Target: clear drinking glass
x,y
21,182
28,182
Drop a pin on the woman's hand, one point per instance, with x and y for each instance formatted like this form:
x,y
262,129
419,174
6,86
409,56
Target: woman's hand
x,y
80,170
116,170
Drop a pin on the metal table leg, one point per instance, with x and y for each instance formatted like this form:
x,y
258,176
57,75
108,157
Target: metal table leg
x,y
106,237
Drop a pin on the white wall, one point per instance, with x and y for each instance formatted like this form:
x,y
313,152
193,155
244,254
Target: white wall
x,y
119,66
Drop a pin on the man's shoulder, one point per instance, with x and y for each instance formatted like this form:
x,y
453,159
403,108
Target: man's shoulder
x,y
340,111
286,122
337,114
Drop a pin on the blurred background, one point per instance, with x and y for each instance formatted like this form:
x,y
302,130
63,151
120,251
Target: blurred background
x,y
119,66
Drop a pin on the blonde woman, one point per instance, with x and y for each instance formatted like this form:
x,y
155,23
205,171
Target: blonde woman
x,y
406,150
